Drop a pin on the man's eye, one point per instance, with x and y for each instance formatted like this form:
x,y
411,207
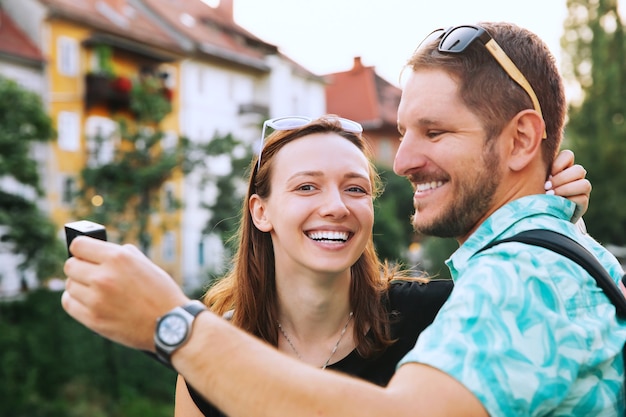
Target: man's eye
x,y
434,133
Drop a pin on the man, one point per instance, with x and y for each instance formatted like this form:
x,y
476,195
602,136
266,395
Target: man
x,y
525,332
476,148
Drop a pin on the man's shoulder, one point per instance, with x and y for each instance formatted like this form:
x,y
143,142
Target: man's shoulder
x,y
525,252
537,211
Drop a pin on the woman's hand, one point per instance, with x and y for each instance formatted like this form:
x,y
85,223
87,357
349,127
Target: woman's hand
x,y
568,180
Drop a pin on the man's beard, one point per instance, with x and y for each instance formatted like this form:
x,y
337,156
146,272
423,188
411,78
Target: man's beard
x,y
475,194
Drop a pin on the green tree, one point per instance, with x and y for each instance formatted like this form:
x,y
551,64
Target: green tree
x,y
436,251
231,186
595,59
128,187
23,226
393,232
52,366
222,166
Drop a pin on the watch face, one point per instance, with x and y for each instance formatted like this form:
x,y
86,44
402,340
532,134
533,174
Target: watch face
x,y
172,329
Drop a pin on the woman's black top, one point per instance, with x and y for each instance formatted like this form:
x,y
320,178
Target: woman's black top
x,y
412,307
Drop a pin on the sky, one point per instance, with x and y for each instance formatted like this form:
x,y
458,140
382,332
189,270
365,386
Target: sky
x,y
324,36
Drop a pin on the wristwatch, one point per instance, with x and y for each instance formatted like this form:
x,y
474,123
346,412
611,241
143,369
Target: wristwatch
x,y
173,329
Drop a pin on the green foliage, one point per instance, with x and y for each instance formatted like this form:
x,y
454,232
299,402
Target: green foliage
x,y
33,235
23,122
436,251
148,100
131,183
103,54
392,228
231,187
595,57
54,367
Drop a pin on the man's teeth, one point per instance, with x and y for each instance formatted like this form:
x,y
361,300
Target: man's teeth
x,y
336,236
428,186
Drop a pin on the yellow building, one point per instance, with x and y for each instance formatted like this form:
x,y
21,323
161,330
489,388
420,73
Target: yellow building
x,y
95,50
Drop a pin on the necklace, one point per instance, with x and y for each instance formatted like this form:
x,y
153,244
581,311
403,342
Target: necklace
x,y
332,353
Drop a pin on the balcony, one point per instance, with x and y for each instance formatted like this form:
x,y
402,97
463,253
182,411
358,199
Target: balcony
x,y
110,92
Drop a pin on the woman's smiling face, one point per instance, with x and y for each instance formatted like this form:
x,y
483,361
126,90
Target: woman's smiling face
x,y
320,210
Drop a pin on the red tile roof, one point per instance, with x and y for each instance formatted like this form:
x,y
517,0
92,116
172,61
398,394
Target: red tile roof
x,y
213,29
15,43
362,95
118,17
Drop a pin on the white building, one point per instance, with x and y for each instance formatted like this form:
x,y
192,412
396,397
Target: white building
x,y
229,85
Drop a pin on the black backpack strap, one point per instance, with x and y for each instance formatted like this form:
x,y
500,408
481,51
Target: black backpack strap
x,y
564,245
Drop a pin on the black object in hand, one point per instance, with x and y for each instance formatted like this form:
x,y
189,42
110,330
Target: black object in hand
x,y
84,228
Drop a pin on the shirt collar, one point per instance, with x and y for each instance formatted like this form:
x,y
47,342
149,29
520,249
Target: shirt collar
x,y
506,221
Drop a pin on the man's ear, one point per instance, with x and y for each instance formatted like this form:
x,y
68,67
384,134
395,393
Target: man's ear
x,y
257,208
527,129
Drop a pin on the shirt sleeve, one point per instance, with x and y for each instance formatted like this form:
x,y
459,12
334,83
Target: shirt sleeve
x,y
494,330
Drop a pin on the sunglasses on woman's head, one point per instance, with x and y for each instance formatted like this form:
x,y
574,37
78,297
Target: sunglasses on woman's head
x,y
456,39
295,122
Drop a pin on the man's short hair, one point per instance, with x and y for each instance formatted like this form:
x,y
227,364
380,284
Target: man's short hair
x,y
489,92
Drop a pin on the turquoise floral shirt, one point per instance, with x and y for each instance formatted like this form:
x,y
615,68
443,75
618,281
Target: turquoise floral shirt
x,y
525,329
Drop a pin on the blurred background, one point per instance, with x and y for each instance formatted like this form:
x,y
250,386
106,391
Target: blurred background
x,y
143,115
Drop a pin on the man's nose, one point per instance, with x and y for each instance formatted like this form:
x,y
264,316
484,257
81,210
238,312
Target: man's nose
x,y
408,157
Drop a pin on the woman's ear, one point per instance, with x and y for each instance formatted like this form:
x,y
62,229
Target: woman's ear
x,y
257,208
527,136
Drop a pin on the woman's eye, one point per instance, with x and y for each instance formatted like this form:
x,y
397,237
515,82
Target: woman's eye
x,y
356,189
306,187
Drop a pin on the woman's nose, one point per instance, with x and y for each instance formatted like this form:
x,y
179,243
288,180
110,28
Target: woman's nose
x,y
334,205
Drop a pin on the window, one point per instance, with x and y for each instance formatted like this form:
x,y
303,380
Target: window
x,y
102,140
201,253
167,73
200,81
169,246
169,140
169,200
67,56
68,190
386,152
69,132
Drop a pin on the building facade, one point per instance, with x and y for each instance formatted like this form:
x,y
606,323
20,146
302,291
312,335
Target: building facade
x,y
222,80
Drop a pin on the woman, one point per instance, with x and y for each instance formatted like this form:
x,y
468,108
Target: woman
x,y
306,277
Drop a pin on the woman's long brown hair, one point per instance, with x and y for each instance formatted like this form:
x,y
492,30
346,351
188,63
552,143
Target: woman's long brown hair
x,y
249,288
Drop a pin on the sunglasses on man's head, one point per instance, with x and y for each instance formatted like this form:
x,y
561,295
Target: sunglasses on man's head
x,y
456,39
295,122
